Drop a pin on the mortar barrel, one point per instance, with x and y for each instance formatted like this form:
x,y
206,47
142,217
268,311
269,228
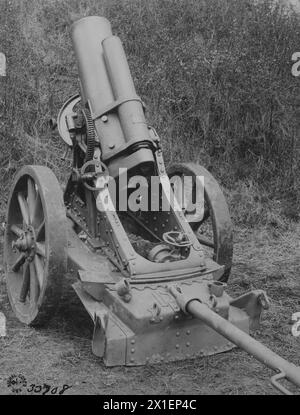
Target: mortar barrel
x,y
244,341
87,37
131,112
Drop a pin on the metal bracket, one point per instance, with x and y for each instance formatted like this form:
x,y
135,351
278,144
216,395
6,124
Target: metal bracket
x,y
253,303
115,104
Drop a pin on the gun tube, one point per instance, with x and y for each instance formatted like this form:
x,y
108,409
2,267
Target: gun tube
x,y
106,79
87,36
244,341
131,113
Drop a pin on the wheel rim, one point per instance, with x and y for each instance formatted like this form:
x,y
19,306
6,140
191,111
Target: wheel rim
x,y
34,258
214,228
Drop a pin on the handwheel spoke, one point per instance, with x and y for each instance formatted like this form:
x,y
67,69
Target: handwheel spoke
x,y
39,270
205,241
25,284
19,262
41,249
24,208
31,197
34,285
16,230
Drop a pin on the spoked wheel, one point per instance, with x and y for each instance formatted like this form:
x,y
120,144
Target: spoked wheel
x,y
35,245
213,227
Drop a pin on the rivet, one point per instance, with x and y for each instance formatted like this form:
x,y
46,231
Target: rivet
x,y
177,346
104,118
188,344
178,334
132,360
188,332
176,317
152,320
215,348
132,341
132,350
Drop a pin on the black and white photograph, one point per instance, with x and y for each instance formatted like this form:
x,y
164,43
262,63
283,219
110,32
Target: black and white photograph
x,y
149,200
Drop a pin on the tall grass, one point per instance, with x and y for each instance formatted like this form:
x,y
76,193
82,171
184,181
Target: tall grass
x,y
215,75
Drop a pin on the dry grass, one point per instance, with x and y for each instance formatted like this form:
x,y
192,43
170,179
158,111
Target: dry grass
x,y
215,76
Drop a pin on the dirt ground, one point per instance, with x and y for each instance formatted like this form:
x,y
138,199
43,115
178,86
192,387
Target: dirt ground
x,y
61,353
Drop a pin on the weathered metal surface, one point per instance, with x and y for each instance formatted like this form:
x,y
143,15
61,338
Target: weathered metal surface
x,y
151,328
66,112
35,244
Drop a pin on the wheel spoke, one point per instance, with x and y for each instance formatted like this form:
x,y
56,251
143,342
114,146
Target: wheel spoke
x,y
40,229
34,285
24,208
19,262
205,241
39,270
41,249
16,230
31,197
25,284
37,215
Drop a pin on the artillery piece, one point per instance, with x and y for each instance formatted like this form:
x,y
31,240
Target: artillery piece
x,y
152,280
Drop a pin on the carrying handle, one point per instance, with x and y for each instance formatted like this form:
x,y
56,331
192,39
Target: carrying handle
x,y
277,385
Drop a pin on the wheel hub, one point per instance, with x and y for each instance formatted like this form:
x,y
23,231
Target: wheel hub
x,y
26,243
